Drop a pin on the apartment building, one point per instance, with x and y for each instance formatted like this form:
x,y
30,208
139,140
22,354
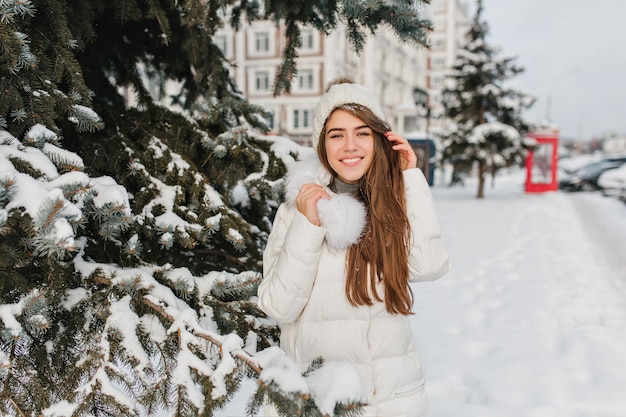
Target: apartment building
x,y
386,66
451,21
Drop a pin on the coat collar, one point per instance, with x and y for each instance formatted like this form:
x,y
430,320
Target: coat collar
x,y
343,216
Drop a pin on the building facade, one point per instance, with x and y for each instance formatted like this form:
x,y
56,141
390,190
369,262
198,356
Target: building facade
x,y
451,24
390,69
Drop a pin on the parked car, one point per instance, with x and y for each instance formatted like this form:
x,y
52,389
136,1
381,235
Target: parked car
x,y
586,178
568,165
613,181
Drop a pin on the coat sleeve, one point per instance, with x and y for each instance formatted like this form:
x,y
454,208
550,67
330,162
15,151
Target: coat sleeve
x,y
290,264
428,257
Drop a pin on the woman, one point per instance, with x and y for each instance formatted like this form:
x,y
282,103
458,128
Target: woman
x,y
357,226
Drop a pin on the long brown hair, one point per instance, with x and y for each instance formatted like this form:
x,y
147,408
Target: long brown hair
x,y
382,251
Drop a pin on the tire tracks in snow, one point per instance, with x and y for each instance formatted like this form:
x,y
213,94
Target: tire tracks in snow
x,y
601,228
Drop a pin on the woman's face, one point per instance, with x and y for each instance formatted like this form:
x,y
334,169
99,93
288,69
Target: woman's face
x,y
349,145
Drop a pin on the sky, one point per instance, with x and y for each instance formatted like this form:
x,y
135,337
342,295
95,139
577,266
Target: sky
x,y
529,322
574,59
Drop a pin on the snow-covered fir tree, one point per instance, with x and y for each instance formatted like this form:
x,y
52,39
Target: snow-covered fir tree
x,y
485,129
131,237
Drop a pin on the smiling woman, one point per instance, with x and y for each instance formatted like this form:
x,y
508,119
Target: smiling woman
x,y
357,227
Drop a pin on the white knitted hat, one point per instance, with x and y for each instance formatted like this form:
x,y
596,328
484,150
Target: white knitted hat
x,y
338,95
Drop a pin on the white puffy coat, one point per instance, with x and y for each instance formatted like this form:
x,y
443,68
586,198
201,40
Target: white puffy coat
x,y
304,290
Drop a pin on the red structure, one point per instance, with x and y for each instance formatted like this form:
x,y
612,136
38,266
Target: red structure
x,y
541,162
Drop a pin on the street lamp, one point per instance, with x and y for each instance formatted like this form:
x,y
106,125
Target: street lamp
x,y
446,97
420,97
549,100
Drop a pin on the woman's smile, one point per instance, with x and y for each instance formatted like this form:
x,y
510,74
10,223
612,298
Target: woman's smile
x,y
351,161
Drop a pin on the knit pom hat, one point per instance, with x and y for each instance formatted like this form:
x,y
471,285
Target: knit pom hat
x,y
338,95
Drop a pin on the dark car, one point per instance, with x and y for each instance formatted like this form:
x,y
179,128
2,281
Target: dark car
x,y
586,178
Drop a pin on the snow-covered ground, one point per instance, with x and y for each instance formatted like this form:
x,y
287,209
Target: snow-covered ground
x,y
531,320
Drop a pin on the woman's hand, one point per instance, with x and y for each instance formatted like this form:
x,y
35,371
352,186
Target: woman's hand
x,y
408,159
306,201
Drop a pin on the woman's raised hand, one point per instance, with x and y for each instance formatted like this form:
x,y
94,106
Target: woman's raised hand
x,y
407,154
306,201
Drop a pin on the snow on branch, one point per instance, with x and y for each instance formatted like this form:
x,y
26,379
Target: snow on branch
x,y
481,133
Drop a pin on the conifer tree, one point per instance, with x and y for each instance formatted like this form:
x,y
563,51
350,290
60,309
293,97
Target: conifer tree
x,y
131,236
485,124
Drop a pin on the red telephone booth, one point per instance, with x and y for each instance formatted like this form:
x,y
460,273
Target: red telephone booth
x,y
541,162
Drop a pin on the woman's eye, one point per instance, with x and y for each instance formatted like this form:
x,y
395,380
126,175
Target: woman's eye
x,y
363,133
335,136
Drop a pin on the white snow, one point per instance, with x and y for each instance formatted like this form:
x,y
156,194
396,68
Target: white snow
x,y
285,148
60,409
73,297
481,132
110,192
123,320
239,195
212,198
530,320
8,312
278,368
55,153
327,389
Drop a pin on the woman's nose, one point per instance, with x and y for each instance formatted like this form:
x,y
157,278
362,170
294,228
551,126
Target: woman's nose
x,y
350,142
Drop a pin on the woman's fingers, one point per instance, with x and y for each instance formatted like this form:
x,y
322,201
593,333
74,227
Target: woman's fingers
x,y
306,201
405,150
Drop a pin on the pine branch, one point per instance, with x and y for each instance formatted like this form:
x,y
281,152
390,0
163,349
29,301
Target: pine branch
x,y
242,356
362,18
287,68
16,407
8,382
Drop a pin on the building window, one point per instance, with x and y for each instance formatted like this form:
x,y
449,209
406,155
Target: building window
x,y
439,62
221,41
262,81
261,42
301,119
270,119
437,82
308,39
439,44
305,79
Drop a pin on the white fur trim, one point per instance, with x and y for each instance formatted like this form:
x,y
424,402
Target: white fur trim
x,y
340,94
308,170
343,216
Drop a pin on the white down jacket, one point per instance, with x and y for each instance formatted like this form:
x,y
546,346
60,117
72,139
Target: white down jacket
x,y
304,290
